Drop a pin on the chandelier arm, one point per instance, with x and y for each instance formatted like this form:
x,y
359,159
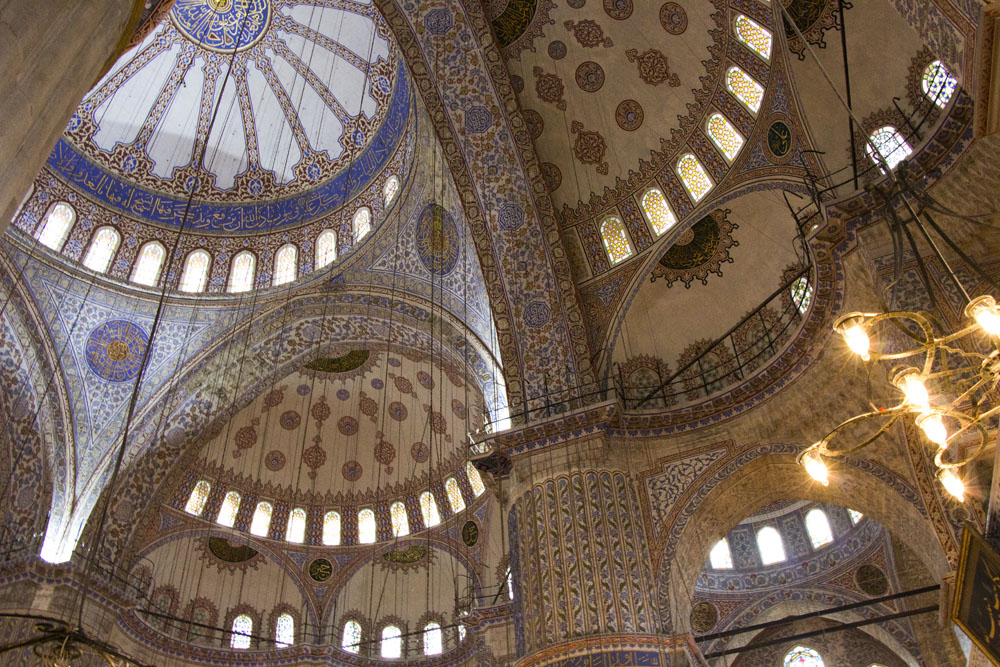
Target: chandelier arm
x,y
952,465
894,414
7,648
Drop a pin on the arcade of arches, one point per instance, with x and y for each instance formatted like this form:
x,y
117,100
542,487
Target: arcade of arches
x,y
478,332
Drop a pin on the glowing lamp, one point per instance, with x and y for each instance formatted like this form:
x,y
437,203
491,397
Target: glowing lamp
x,y
816,468
911,383
852,329
983,310
933,427
952,483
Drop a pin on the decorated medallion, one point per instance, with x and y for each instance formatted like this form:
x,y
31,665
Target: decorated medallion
x,y
470,533
704,616
779,139
114,350
222,25
871,580
320,569
408,556
436,237
698,251
342,364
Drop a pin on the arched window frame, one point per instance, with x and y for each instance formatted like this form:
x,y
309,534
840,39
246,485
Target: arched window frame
x,y
475,479
351,637
331,528
429,509
770,546
361,224
285,271
695,190
242,632
433,644
390,190
97,258
391,647
752,104
229,509
896,153
818,528
198,498
658,227
454,493
721,556
296,529
326,248
803,656
56,225
187,282
616,241
142,272
367,526
284,630
802,293
261,522
246,285
400,522
938,83
754,36
731,152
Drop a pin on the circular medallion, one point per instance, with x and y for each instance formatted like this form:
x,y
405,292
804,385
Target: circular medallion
x,y
779,139
673,18
351,471
470,533
289,420
557,50
420,452
114,350
458,408
343,394
536,314
590,76
629,115
871,580
534,121
274,460
704,616
552,176
347,425
425,379
320,570
397,411
694,247
303,390
619,10
222,25
436,237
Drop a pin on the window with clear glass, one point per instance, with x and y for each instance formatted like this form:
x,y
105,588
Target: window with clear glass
x,y
938,83
724,135
754,35
802,656
802,294
890,144
102,249
720,556
362,223
392,642
429,509
856,516
350,641
366,526
744,88
261,521
455,498
331,529
286,264
390,190
818,527
194,277
284,631
57,225
615,239
657,211
400,523
509,581
296,530
326,248
242,273
147,267
227,512
475,479
770,546
432,638
198,498
694,177
242,631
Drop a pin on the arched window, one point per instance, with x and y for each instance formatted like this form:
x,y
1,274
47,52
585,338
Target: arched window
x,y
102,249
693,175
802,656
392,642
230,506
57,225
744,88
366,526
296,531
326,248
432,638
242,630
199,496
350,641
362,223
286,266
429,509
475,480
509,582
400,524
802,294
147,267
890,144
772,549
195,274
724,135
615,240
284,631
242,272
721,557
261,521
331,529
818,527
856,516
657,211
938,83
390,190
461,626
455,498
754,35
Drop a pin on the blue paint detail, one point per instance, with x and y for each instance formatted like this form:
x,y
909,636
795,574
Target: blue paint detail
x,y
109,190
114,350
220,27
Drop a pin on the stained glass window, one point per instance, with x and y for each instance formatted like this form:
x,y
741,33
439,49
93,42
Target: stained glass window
x,y
429,509
392,642
230,506
285,264
57,225
400,524
147,267
350,641
366,526
754,35
891,146
331,529
802,294
261,521
195,274
693,175
856,516
818,527
475,479
284,631
772,549
326,248
721,557
241,275
657,211
454,495
938,83
744,88
242,630
432,638
199,496
390,189
362,223
801,656
724,135
296,531
615,240
102,249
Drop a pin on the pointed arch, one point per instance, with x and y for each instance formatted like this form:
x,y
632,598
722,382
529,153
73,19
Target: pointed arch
x,y
57,225
102,249
429,509
693,175
891,146
227,512
149,264
616,242
261,522
326,248
296,531
754,35
658,212
194,277
241,275
362,223
331,529
199,496
286,264
724,135
744,88
400,523
367,529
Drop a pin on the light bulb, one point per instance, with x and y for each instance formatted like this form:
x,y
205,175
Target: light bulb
x,y
914,390
814,465
952,483
983,310
934,428
858,341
